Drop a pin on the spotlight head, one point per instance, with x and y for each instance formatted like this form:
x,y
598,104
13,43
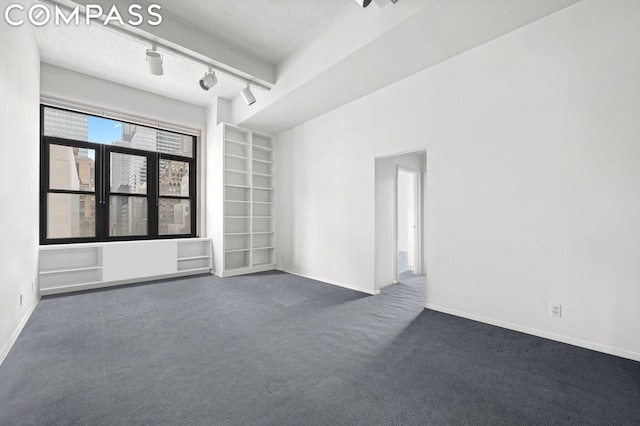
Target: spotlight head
x,y
154,61
209,80
363,3
247,95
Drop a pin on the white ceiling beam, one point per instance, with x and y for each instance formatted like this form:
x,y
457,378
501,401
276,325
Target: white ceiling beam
x,y
178,35
385,3
434,34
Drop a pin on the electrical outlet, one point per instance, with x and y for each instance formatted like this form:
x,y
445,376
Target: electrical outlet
x,y
555,310
20,299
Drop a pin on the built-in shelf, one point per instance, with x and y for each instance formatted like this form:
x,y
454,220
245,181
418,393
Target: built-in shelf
x,y
64,271
236,141
240,270
247,231
269,264
238,156
193,258
74,267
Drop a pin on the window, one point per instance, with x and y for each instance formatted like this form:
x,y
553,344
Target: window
x,y
109,180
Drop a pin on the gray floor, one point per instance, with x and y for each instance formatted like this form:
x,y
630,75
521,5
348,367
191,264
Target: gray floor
x,y
282,350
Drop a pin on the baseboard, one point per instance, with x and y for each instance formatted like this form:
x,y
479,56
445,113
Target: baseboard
x,y
347,286
14,336
540,333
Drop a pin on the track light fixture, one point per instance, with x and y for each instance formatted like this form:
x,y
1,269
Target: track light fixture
x,y
363,3
380,3
154,61
209,80
247,95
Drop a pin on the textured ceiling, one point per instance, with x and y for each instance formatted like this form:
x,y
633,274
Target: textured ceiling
x,y
270,29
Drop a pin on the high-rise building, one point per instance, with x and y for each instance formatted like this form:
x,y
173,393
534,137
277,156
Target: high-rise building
x,y
71,215
171,143
120,169
66,124
174,181
140,138
156,140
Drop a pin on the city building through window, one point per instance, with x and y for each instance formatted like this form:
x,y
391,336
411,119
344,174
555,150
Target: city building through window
x,y
110,180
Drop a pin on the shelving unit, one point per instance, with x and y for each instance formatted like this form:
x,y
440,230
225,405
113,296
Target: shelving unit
x,y
194,256
248,237
74,267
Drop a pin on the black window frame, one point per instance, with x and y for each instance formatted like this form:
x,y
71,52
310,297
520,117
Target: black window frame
x,y
102,185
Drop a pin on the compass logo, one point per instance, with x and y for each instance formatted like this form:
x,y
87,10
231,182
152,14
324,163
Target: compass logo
x,y
39,14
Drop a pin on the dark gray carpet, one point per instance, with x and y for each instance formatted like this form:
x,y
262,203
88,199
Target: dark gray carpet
x,y
276,349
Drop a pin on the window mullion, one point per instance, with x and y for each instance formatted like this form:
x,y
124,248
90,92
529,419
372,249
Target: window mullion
x,y
153,180
44,179
102,204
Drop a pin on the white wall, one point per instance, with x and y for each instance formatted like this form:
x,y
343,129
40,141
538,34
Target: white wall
x,y
217,112
19,172
532,179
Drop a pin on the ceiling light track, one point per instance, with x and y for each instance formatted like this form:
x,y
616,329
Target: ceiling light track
x,y
165,48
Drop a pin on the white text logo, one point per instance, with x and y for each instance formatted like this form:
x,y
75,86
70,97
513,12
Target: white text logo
x,y
39,15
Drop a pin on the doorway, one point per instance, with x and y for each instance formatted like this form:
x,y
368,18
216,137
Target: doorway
x,y
408,202
400,223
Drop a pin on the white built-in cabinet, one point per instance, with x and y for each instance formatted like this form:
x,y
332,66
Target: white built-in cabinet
x,y
246,234
73,267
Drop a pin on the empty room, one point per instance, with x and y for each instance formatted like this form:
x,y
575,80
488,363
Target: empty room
x,y
334,212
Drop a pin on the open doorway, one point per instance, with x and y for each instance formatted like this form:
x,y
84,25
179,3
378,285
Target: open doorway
x,y
400,218
408,202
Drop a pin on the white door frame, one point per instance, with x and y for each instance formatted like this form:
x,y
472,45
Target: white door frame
x,y
417,219
377,226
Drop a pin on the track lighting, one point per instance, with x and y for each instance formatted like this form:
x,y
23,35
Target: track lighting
x,y
209,80
154,61
247,95
380,3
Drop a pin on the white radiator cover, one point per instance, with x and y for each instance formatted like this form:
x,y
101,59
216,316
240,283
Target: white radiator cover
x,y
72,267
